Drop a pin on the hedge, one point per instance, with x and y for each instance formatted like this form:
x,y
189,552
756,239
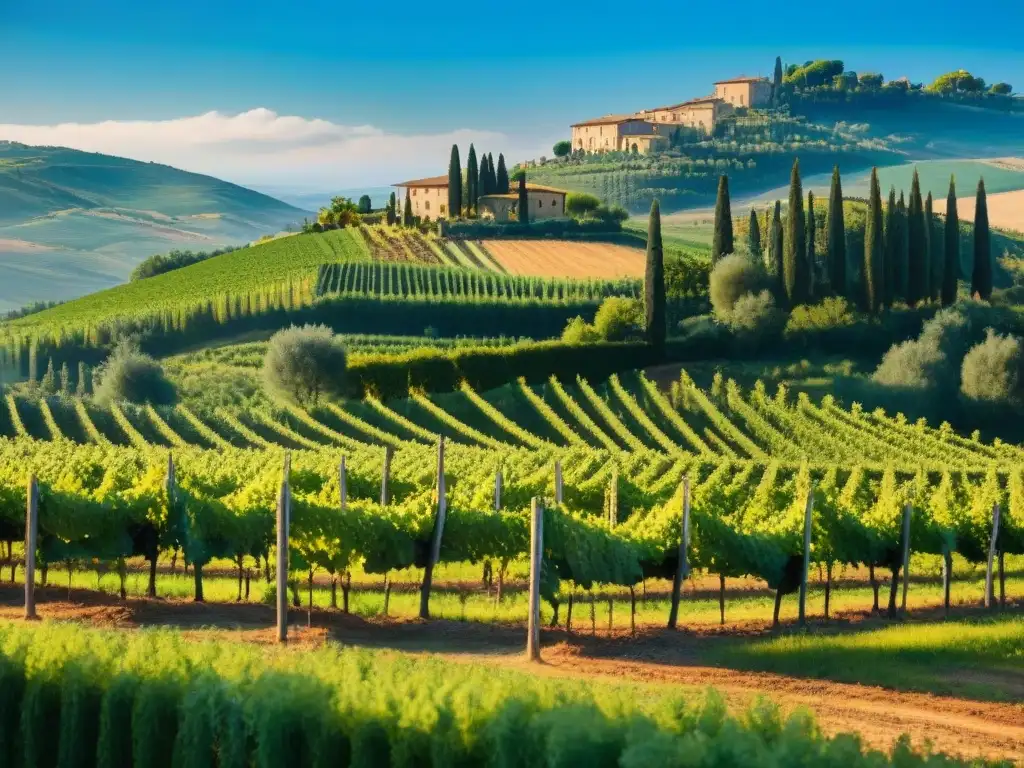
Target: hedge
x,y
391,376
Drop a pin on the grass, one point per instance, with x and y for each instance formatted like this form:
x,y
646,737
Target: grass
x,y
461,597
982,659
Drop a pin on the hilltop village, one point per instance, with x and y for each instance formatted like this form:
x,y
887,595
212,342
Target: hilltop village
x,y
649,130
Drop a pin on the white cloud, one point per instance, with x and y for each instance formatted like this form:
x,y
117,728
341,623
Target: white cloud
x,y
260,147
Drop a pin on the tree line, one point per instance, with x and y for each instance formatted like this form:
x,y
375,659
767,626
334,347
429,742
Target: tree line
x,y
910,255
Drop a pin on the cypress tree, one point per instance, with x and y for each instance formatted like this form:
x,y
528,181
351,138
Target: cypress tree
x,y
951,248
523,207
812,256
454,184
794,261
981,275
917,248
903,251
777,81
777,255
873,248
33,361
65,379
933,266
407,215
472,174
654,283
501,185
891,251
835,236
754,237
392,212
80,386
483,180
722,241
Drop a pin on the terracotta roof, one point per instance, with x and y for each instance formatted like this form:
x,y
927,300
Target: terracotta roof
x,y
607,120
690,103
433,181
743,79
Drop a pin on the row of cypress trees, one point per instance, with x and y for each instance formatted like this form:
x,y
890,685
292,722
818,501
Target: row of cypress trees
x,y
907,255
482,178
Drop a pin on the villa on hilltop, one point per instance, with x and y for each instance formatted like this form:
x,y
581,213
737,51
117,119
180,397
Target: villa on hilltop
x,y
649,130
429,200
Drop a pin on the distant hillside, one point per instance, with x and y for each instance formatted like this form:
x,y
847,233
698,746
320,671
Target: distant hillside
x,y
75,222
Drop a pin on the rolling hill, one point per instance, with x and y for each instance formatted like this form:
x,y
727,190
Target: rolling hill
x,y
75,222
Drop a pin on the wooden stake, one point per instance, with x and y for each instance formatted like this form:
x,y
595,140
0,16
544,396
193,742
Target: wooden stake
x,y
385,498
947,577
343,484
283,522
907,512
536,554
615,496
31,536
435,547
558,482
809,510
497,490
991,555
683,567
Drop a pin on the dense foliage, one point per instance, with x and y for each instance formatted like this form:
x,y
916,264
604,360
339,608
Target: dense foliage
x,y
160,263
305,364
129,375
151,699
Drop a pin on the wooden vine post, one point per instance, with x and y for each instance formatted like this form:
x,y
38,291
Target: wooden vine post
x,y
283,522
808,513
343,484
558,482
435,545
683,567
907,512
536,557
171,489
31,536
993,542
497,489
385,475
947,578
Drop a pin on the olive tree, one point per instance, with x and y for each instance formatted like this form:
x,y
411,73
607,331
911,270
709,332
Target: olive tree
x,y
129,375
303,363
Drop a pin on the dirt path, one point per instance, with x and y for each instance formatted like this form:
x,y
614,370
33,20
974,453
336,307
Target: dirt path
x,y
958,726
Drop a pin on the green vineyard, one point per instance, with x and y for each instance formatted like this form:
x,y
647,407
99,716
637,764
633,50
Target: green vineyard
x,y
623,449
419,282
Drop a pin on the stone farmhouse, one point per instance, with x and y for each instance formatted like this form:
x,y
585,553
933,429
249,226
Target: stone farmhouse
x,y
429,200
649,129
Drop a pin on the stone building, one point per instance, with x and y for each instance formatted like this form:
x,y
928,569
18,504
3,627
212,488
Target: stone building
x,y
544,203
702,114
429,197
617,133
745,91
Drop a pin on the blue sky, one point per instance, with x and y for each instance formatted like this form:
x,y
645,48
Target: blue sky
x,y
513,74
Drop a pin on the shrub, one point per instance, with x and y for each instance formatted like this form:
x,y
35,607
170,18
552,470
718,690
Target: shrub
x,y
562,148
732,277
130,375
579,331
931,361
305,362
755,318
619,319
580,204
833,312
993,371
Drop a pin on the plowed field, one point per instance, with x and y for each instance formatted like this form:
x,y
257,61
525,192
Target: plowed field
x,y
567,258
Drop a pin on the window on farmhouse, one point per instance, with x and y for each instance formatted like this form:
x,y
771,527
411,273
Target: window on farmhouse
x,y
414,191
426,206
540,204
442,210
